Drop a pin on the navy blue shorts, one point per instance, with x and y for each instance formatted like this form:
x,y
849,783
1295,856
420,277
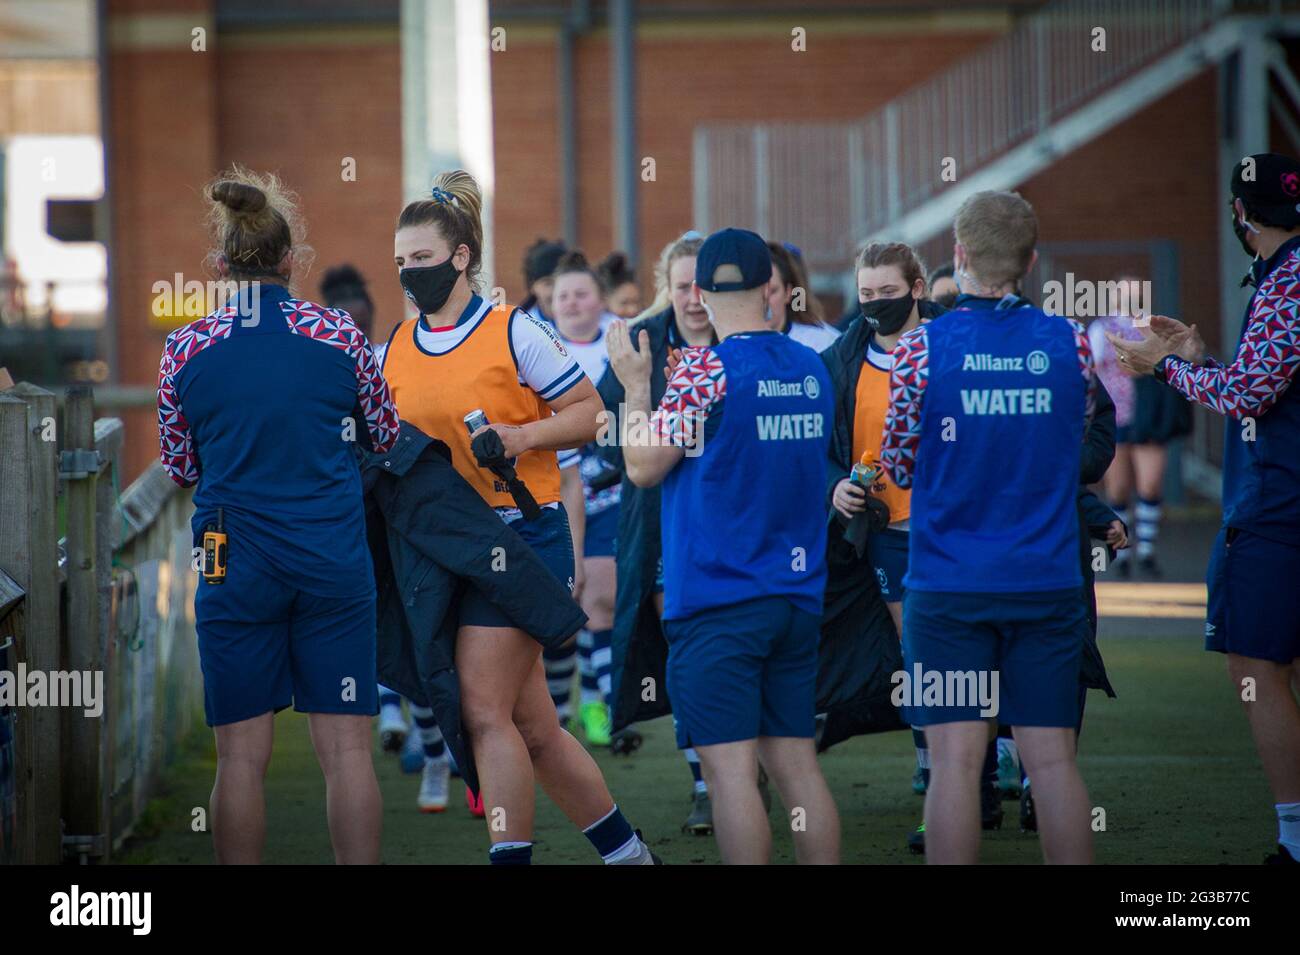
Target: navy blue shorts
x,y
658,586
887,552
602,533
1254,597
743,671
551,540
1016,653
264,645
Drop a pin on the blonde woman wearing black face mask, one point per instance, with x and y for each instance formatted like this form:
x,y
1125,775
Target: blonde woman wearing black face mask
x,y
463,354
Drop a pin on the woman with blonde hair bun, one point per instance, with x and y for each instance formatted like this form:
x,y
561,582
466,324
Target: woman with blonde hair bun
x,y
250,398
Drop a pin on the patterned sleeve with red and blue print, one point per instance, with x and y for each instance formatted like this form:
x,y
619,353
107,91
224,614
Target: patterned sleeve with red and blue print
x,y
907,381
1267,359
335,326
1087,367
175,443
696,387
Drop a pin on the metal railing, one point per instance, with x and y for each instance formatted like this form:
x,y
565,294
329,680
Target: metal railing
x,y
827,185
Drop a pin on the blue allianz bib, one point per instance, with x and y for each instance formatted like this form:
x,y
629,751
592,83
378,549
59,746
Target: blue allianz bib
x,y
997,470
747,517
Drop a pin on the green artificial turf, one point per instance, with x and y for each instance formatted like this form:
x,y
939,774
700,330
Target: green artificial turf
x,y
1170,761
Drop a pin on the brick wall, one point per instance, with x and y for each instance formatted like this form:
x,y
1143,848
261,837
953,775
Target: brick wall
x,y
286,99
687,73
1155,176
160,148
301,110
299,98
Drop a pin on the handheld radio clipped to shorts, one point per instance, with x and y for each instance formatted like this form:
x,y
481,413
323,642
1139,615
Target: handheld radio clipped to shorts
x,y
214,550
490,453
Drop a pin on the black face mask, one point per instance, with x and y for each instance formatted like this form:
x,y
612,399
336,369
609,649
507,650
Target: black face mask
x,y
430,286
1239,229
947,301
888,315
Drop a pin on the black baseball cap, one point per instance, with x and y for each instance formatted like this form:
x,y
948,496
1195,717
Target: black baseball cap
x,y
1269,185
739,247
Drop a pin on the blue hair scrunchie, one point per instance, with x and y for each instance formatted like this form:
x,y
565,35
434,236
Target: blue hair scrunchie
x,y
441,196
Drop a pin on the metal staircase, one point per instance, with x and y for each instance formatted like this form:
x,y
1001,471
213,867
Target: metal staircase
x,y
1000,116
996,119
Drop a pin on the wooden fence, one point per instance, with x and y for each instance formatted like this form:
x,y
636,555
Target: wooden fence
x,y
94,580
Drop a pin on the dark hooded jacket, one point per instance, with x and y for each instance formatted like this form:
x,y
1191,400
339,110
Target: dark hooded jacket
x,y
638,652
859,649
430,535
1094,517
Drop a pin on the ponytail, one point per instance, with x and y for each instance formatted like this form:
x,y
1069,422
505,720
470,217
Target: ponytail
x,y
455,208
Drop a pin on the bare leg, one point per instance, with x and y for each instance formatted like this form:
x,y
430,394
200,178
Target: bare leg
x,y
1274,717
493,664
896,613
238,803
598,593
792,764
1060,798
1118,481
739,819
353,804
1149,470
564,768
952,803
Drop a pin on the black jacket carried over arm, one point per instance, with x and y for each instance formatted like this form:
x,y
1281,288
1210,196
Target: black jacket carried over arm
x,y
638,649
431,534
1098,452
858,652
859,649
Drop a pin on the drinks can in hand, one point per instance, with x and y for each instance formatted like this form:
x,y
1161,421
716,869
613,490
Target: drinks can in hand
x,y
863,475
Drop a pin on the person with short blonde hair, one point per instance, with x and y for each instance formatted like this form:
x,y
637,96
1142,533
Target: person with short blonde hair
x,y
997,232
988,408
